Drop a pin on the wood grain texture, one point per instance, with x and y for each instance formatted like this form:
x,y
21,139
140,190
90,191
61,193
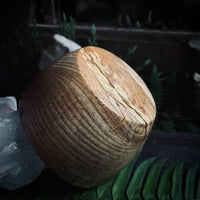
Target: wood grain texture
x,y
87,116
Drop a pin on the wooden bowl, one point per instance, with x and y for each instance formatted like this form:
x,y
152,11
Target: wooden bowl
x,y
87,116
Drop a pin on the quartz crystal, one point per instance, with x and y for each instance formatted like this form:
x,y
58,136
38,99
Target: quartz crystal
x,y
19,164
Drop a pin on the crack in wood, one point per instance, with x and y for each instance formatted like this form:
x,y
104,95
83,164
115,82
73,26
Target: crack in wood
x,y
116,101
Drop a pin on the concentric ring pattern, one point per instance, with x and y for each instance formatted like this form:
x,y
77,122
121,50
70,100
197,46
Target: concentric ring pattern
x,y
87,116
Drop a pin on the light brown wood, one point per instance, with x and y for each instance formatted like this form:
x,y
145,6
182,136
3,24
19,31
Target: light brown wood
x,y
87,116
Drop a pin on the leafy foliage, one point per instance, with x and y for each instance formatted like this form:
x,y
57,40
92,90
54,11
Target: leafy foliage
x,y
149,190
93,40
35,34
151,179
190,182
121,182
142,66
152,182
164,186
177,181
136,183
173,102
129,53
68,28
105,191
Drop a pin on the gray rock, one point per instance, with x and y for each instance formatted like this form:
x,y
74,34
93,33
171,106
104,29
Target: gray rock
x,y
195,44
7,105
19,164
60,47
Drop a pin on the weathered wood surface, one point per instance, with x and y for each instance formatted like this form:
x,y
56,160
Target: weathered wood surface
x,y
87,116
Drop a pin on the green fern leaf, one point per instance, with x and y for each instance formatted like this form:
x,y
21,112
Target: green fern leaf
x,y
68,28
190,182
149,190
135,185
92,194
130,52
164,186
176,189
104,192
118,189
92,41
142,66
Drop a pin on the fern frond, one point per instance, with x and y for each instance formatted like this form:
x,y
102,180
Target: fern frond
x,y
190,183
93,40
149,190
164,187
134,188
105,191
147,181
120,184
90,194
142,66
130,52
67,29
177,182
